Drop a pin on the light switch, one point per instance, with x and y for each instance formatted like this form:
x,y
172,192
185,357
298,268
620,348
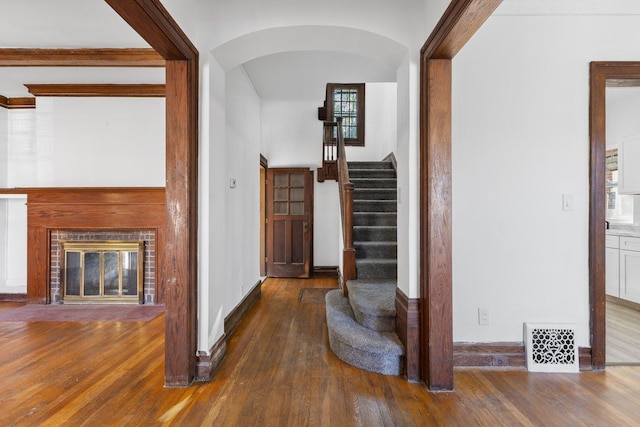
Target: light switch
x,y
567,202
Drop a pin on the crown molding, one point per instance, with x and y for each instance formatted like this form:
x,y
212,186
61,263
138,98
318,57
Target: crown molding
x,y
17,103
98,90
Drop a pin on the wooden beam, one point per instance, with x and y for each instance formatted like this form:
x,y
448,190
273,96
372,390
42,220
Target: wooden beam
x,y
17,103
80,58
98,90
178,263
458,24
154,24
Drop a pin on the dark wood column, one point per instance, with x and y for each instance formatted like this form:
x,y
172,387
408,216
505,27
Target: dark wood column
x,y
178,264
435,232
458,24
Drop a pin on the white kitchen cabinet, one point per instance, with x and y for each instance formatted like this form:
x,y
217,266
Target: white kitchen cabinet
x,y
630,268
612,271
628,167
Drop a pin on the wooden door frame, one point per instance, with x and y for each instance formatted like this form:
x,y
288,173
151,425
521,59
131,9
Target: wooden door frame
x,y
602,74
178,266
458,24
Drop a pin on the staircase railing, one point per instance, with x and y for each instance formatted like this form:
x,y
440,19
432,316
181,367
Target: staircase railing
x,y
345,187
329,169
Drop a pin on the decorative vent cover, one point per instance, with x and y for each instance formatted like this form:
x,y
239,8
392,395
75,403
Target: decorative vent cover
x,y
551,347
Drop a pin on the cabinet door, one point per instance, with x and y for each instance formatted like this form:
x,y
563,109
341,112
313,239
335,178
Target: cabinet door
x,y
612,272
628,170
630,275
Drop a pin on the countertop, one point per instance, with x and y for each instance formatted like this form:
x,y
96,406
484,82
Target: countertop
x,y
625,230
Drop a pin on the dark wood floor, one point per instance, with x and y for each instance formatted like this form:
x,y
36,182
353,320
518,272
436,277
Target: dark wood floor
x,y
278,372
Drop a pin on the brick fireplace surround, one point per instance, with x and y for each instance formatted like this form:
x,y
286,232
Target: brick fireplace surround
x,y
148,236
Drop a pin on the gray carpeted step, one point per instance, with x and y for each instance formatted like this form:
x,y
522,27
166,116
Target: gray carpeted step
x,y
379,249
377,268
369,165
375,218
357,345
373,182
374,303
372,173
375,205
375,194
384,233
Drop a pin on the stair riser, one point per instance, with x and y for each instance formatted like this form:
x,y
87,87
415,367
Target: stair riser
x,y
369,194
376,271
378,234
373,183
375,205
369,165
375,218
375,251
372,173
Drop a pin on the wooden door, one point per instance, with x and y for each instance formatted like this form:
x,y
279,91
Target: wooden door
x,y
289,222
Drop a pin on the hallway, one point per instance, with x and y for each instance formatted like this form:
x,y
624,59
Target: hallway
x,y
279,371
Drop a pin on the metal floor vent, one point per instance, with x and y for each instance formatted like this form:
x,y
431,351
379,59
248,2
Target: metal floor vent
x,y
551,347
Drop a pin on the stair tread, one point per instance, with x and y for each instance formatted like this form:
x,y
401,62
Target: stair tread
x,y
373,299
375,243
342,322
377,261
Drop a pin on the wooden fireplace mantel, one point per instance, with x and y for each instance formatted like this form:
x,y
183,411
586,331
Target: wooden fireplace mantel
x,y
88,208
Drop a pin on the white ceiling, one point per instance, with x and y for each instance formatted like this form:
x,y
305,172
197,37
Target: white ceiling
x,y
304,75
47,24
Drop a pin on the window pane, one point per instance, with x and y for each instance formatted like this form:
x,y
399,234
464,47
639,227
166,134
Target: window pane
x,y
281,180
281,194
281,208
297,208
297,180
297,194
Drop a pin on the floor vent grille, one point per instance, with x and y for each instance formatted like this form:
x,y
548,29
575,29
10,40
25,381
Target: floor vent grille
x,y
551,347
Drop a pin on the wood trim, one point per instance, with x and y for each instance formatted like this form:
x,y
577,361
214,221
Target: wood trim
x,y
13,297
80,58
458,24
98,90
325,271
85,209
264,162
495,354
17,103
179,267
208,363
392,158
600,74
435,243
408,328
154,24
503,355
234,318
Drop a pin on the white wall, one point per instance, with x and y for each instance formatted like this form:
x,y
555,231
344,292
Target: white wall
x,y
623,110
230,217
520,140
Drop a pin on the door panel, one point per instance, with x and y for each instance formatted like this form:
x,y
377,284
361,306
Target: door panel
x,y
290,222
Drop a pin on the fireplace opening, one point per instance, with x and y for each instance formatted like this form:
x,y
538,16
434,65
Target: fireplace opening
x,y
103,272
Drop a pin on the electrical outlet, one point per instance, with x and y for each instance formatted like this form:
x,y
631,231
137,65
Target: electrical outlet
x,y
483,316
